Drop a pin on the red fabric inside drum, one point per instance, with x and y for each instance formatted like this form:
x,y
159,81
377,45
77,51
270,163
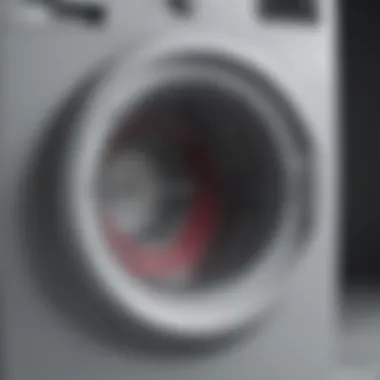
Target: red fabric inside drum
x,y
187,251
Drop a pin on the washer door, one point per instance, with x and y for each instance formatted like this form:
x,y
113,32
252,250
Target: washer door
x,y
182,188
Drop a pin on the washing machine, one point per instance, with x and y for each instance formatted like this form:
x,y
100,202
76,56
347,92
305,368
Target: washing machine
x,y
169,189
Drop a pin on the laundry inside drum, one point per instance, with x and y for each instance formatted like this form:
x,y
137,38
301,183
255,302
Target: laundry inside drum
x,y
190,188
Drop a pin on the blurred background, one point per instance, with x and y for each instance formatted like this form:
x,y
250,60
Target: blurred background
x,y
360,62
361,128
